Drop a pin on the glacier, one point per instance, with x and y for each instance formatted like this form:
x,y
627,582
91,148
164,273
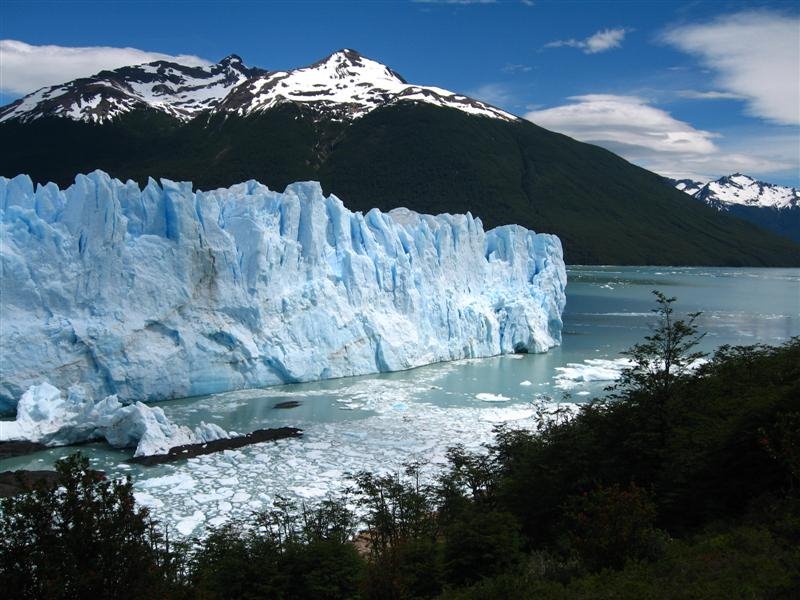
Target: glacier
x,y
164,292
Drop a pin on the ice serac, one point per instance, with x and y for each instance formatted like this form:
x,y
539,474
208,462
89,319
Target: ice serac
x,y
163,292
47,416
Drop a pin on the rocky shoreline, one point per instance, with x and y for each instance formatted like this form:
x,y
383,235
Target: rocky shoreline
x,y
17,482
19,448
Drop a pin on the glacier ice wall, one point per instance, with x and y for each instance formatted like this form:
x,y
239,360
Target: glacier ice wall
x,y
163,292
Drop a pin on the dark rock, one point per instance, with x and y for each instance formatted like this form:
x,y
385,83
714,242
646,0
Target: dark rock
x,y
11,449
287,404
192,450
17,482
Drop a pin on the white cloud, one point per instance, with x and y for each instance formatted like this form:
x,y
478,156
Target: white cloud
x,y
514,68
623,121
25,68
493,93
709,95
601,41
753,54
653,138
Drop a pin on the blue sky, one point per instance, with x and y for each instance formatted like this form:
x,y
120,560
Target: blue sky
x,y
684,88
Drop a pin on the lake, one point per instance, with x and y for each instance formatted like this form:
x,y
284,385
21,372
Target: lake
x,y
378,422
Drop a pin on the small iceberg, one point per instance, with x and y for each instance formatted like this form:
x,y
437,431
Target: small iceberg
x,y
46,416
590,370
488,397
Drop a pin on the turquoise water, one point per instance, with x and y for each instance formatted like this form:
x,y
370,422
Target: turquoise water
x,y
378,421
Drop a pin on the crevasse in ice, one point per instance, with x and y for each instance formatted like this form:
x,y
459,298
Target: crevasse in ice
x,y
163,292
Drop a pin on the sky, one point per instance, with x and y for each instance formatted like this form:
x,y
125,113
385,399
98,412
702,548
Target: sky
x,y
686,89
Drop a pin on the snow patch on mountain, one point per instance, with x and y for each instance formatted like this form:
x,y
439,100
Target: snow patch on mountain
x,y
742,190
746,191
162,292
688,186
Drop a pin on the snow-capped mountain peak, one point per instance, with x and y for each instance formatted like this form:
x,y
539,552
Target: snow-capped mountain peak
x,y
179,90
742,190
343,86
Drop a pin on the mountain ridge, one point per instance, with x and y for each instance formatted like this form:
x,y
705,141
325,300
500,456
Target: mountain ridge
x,y
774,207
394,144
344,85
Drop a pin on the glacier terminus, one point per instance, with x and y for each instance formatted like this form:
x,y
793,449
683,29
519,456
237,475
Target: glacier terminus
x,y
165,292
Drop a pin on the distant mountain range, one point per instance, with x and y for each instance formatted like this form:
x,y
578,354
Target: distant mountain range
x,y
375,140
343,86
773,207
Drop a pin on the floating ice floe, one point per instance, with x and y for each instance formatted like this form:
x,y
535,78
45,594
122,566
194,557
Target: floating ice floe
x,y
592,369
487,397
599,369
46,416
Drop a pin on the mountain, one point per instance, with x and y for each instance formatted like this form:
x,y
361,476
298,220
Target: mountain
x,y
343,86
375,140
180,91
773,207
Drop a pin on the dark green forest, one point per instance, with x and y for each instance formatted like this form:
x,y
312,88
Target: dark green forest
x,y
427,158
683,482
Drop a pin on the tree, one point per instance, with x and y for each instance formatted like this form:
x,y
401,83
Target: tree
x,y
282,552
782,443
403,529
665,357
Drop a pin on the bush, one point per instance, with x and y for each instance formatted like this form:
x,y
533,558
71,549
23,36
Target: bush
x,y
480,544
611,525
85,538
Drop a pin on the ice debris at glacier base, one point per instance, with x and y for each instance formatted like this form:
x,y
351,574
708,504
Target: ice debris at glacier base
x,y
162,292
46,416
403,427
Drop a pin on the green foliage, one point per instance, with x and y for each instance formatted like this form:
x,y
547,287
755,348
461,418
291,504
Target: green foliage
x,y
608,526
758,557
396,509
403,529
84,539
782,442
281,553
479,544
701,449
427,158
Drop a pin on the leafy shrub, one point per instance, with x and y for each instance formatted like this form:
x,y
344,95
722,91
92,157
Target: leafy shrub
x,y
85,538
610,525
480,544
